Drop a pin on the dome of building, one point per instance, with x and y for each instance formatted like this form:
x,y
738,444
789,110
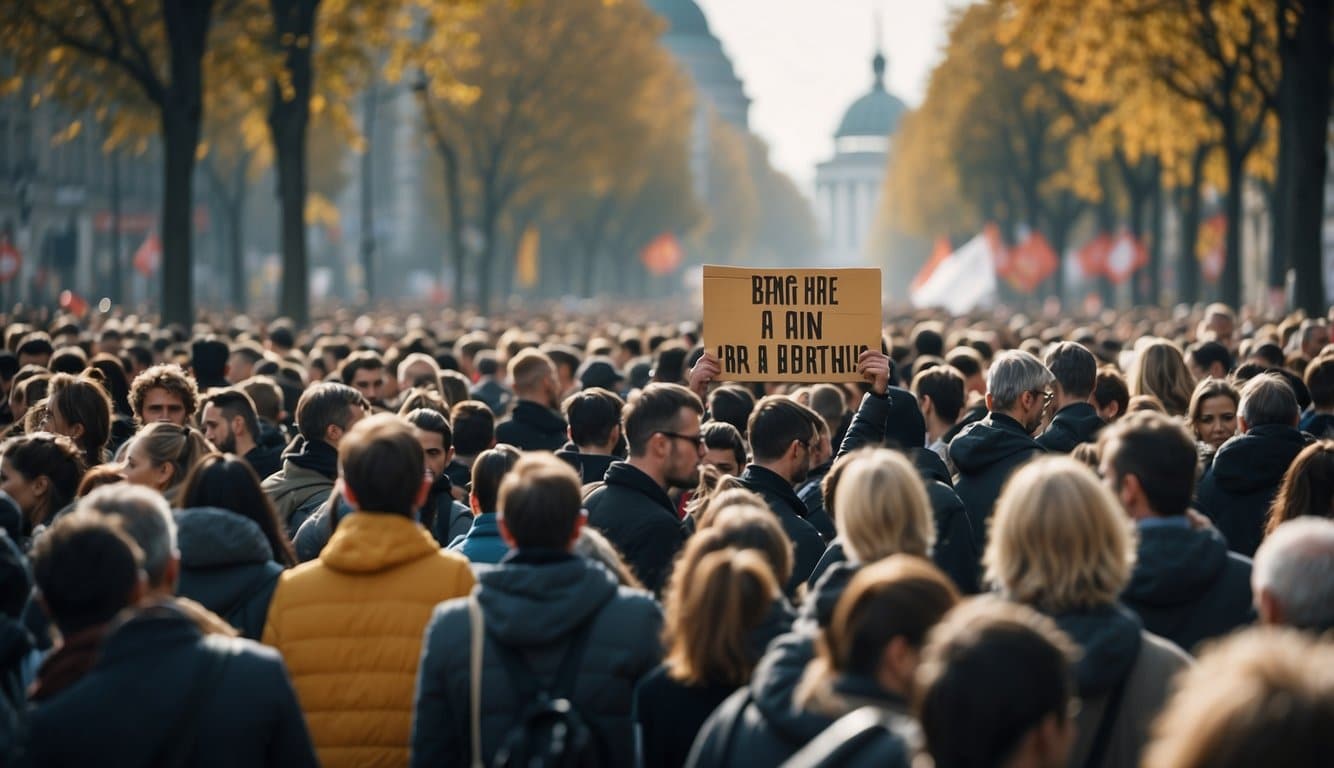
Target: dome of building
x,y
876,114
683,17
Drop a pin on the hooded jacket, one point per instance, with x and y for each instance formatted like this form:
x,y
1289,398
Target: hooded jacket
x,y
1187,587
1115,650
265,459
227,566
1074,424
592,467
482,544
130,703
350,626
985,454
304,482
637,516
532,426
807,544
533,602
1246,473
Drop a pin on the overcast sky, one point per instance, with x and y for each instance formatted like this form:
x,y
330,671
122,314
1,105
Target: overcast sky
x,y
804,61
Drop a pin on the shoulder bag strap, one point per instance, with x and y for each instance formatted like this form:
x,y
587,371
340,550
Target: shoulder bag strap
x,y
1097,755
478,634
570,663
216,653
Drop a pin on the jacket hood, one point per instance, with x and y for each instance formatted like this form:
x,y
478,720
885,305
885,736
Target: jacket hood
x,y
1080,419
209,537
1176,565
1258,459
1109,640
991,440
931,467
317,456
538,417
531,605
591,467
371,542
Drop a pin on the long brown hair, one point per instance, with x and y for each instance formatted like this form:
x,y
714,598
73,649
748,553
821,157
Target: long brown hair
x,y
1307,487
710,613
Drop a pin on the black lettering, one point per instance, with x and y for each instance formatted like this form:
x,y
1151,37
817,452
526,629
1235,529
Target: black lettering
x,y
762,363
833,291
756,289
782,359
766,324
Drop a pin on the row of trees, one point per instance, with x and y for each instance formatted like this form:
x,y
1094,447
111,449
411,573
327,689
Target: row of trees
x,y
1046,111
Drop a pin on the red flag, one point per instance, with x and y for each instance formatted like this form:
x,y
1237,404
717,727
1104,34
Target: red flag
x,y
1029,263
663,255
939,253
1093,256
1126,256
1211,250
73,303
149,255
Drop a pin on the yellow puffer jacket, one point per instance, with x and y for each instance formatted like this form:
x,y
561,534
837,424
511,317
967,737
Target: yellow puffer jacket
x,y
349,626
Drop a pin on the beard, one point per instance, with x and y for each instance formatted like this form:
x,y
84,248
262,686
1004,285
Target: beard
x,y
228,444
685,481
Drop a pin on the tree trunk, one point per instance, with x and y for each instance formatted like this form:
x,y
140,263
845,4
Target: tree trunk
x,y
294,27
487,267
1188,204
1156,236
1230,287
116,285
1303,117
367,245
236,221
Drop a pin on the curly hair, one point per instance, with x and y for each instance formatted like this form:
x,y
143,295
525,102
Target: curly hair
x,y
169,377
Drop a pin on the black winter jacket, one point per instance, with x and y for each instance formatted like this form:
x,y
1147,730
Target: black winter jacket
x,y
1241,484
811,494
227,566
808,546
534,602
1187,587
638,516
985,454
532,427
592,467
130,704
1072,425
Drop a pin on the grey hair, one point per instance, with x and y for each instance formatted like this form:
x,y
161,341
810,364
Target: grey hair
x,y
1268,399
1295,565
1012,374
144,516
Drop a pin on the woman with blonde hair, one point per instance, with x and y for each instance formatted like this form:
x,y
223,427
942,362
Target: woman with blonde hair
x,y
162,454
723,604
1061,543
1161,370
1212,416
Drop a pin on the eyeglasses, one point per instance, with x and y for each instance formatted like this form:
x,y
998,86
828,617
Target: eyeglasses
x,y
696,439
1046,396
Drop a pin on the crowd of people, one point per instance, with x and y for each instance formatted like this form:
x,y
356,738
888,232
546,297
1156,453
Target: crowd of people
x,y
562,540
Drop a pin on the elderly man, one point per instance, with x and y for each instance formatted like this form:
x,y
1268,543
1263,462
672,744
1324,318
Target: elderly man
x,y
1293,575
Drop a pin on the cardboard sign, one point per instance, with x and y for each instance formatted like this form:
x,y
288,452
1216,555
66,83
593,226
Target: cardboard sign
x,y
797,325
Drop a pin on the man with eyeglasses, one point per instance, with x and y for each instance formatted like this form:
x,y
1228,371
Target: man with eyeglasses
x,y
988,451
631,506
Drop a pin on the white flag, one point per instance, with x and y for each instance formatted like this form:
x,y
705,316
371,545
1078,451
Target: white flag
x,y
962,282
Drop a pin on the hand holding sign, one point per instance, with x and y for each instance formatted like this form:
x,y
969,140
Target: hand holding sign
x,y
702,375
873,365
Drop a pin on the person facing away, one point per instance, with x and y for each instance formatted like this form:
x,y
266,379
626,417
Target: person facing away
x,y
349,623
160,692
535,423
594,416
545,618
1186,585
1293,577
1074,418
483,544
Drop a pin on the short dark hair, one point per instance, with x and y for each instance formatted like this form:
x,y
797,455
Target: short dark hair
x,y
234,402
1270,353
669,362
593,413
928,340
1109,386
1320,381
266,396
719,435
324,404
488,471
563,356
1206,353
382,464
9,365
1074,367
36,344
68,360
1159,452
357,361
474,427
86,568
540,502
966,360
656,410
944,384
431,420
828,401
733,405
776,423
208,358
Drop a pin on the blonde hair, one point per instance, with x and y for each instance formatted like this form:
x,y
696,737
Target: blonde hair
x,y
1160,370
166,443
1059,540
728,492
882,508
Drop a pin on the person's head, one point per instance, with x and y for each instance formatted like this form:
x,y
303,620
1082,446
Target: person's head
x,y
594,416
418,369
145,516
1160,370
1307,487
1148,460
87,570
40,472
229,420
35,349
882,507
243,358
267,397
567,360
226,481
433,432
474,427
1059,540
1260,697
114,380
783,436
732,404
79,408
68,360
1266,400
488,471
161,454
662,427
208,359
987,645
382,467
1111,394
1213,411
1292,578
724,448
328,410
164,393
1319,378
27,392
1209,359
364,372
878,628
540,504
669,363
829,402
968,362
1019,386
1075,370
533,377
940,392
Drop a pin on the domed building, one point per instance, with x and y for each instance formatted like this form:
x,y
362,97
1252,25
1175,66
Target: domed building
x,y
847,187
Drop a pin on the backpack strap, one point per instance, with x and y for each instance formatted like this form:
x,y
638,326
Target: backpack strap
x,y
478,636
525,681
216,652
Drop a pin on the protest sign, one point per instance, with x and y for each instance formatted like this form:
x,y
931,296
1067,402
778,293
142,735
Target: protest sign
x,y
796,325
